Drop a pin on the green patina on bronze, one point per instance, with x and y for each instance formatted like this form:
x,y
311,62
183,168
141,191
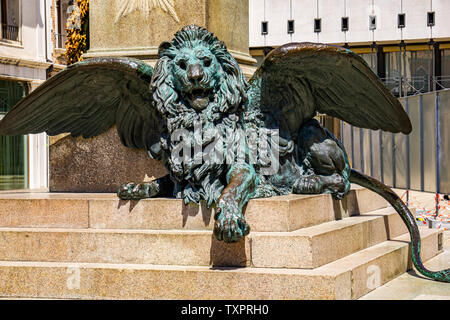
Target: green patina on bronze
x,y
197,83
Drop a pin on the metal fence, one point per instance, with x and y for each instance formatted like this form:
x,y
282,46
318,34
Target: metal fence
x,y
10,32
418,161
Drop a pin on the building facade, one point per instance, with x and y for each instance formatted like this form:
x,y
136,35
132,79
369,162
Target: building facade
x,y
406,42
31,47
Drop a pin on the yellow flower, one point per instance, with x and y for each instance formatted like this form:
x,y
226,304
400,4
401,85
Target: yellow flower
x,y
76,43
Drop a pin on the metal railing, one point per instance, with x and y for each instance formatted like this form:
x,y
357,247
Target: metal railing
x,y
442,82
10,32
60,40
401,87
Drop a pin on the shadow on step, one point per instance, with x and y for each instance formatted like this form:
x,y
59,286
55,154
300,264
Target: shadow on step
x,y
346,207
192,210
230,255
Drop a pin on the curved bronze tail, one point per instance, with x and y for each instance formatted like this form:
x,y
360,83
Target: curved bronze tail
x,y
407,217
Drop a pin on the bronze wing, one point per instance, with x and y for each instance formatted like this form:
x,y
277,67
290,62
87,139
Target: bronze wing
x,y
89,97
298,79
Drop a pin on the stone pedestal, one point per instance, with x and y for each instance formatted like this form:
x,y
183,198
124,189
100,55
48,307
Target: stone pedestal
x,y
102,164
138,34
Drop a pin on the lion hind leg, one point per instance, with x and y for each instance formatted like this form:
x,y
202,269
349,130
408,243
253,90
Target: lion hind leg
x,y
317,184
324,161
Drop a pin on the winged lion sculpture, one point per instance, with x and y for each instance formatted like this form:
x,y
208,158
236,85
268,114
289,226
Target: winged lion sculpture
x,y
197,95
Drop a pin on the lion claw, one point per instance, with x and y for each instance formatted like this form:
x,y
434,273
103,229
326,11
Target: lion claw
x,y
230,225
133,191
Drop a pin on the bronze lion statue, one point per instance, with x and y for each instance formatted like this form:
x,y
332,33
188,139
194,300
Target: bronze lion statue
x,y
223,139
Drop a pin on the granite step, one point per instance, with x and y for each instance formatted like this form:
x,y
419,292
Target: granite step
x,y
346,278
106,211
377,265
309,247
315,246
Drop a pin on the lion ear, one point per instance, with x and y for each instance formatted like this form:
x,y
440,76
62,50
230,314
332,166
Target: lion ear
x,y
222,45
163,46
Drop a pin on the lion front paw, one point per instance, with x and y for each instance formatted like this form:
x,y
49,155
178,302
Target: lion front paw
x,y
230,224
133,191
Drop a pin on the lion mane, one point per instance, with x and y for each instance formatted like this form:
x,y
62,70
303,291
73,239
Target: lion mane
x,y
206,180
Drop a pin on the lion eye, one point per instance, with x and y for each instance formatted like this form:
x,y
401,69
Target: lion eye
x,y
182,64
206,62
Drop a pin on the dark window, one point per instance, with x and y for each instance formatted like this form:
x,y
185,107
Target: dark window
x,y
290,26
3,8
9,20
62,16
344,24
401,21
430,19
317,25
264,27
372,22
444,78
13,149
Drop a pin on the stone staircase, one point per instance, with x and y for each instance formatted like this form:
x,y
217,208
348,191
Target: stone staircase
x,y
95,246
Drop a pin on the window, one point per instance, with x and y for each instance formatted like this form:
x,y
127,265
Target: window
x,y
430,19
62,14
372,22
444,79
344,24
410,70
13,149
317,25
10,19
401,20
264,27
290,26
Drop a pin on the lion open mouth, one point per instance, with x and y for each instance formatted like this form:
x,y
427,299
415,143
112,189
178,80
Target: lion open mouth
x,y
200,98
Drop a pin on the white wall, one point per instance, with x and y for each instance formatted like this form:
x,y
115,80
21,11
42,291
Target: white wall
x,y
28,59
358,13
38,161
304,17
442,9
32,33
277,12
331,12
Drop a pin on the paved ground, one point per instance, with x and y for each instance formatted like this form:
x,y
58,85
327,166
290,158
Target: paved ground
x,y
425,205
412,285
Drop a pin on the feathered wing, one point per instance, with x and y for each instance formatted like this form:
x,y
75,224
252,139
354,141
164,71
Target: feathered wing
x,y
146,6
298,79
89,97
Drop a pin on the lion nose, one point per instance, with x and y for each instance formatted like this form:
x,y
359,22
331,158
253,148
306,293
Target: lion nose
x,y
195,72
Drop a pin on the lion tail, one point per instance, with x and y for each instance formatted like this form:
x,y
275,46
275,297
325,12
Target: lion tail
x,y
407,217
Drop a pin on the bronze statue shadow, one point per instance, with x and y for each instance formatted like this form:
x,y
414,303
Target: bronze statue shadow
x,y
346,207
191,211
199,217
222,255
229,255
133,203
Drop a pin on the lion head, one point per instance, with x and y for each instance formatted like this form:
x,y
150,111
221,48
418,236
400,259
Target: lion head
x,y
196,78
197,81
